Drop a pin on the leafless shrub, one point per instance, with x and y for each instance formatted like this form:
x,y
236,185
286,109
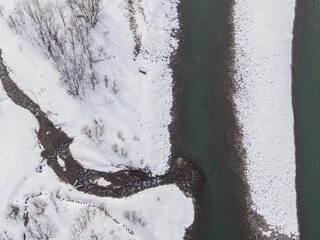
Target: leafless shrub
x,y
93,80
1,10
106,81
89,234
124,152
147,169
115,148
82,229
120,135
13,212
136,138
102,54
42,232
95,236
135,217
87,131
53,199
64,37
96,132
84,218
5,236
99,130
115,87
39,206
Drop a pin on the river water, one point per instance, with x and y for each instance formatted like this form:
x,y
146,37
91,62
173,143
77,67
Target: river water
x,y
207,124
307,116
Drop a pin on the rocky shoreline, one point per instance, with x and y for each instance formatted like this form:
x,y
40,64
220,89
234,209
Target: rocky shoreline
x,y
296,27
176,127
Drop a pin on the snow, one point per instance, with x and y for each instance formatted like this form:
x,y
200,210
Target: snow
x,y
61,162
65,207
136,119
267,233
19,153
142,106
103,182
263,36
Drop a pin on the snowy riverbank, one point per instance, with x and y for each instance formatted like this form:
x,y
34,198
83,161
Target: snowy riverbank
x,y
263,40
135,120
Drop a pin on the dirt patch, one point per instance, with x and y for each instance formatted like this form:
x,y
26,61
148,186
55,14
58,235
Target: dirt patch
x,y
134,27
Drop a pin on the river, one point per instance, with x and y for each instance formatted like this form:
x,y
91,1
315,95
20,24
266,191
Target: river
x,y
306,73
207,128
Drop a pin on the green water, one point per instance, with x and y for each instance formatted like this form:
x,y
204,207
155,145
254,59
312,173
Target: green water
x,y
205,113
307,116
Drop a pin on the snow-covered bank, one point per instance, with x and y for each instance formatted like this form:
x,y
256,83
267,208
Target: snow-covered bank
x,y
135,119
59,210
263,37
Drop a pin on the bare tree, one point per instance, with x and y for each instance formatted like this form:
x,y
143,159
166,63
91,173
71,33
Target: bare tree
x,y
93,80
87,131
135,217
83,224
106,81
124,152
64,35
115,87
5,236
96,132
136,138
1,10
87,11
120,135
42,232
39,206
13,212
115,148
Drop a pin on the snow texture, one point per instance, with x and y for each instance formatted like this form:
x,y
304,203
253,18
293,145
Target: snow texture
x,y
263,41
